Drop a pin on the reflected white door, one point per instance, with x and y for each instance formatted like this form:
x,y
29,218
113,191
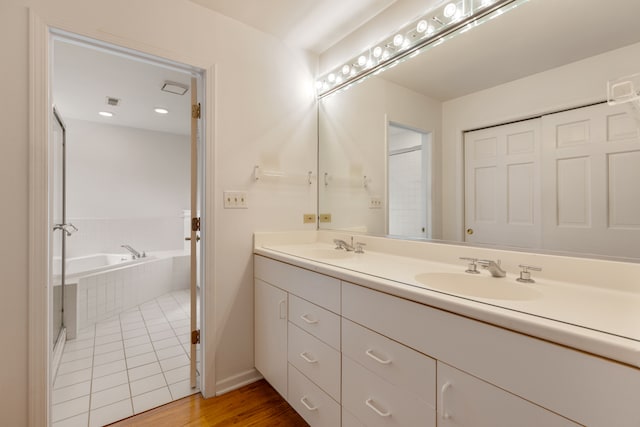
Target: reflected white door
x,y
591,159
502,185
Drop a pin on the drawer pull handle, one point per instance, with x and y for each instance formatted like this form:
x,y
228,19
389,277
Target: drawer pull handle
x,y
369,403
305,401
281,305
307,358
445,414
305,317
376,358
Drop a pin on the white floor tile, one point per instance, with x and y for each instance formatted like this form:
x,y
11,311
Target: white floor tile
x,y
109,368
78,421
157,323
133,325
109,414
109,381
72,378
108,348
183,322
76,365
147,384
101,359
71,392
174,362
144,371
70,356
133,333
87,333
182,389
150,400
168,352
167,342
69,408
106,339
141,359
74,345
176,375
109,396
181,330
162,335
132,342
139,349
107,331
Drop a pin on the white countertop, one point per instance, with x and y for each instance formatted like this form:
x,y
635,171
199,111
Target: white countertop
x,y
602,321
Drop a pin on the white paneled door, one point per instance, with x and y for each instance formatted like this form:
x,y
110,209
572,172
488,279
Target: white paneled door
x,y
564,182
502,185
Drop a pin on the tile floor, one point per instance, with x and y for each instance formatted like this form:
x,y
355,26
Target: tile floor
x,y
125,365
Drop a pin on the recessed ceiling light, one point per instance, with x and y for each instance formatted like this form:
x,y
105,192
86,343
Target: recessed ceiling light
x,y
106,114
161,110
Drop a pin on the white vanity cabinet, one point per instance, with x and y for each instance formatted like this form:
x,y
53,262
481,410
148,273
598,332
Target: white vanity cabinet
x,y
300,346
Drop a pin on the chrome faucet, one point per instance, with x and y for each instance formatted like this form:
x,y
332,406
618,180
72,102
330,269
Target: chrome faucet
x,y
135,254
341,244
492,266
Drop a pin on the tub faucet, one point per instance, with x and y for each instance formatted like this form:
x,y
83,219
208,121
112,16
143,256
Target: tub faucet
x,y
493,267
135,254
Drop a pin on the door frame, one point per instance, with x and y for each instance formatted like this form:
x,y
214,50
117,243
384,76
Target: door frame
x,y
41,31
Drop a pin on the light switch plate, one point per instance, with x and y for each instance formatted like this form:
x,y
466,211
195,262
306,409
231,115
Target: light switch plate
x,y
235,200
375,202
326,217
308,218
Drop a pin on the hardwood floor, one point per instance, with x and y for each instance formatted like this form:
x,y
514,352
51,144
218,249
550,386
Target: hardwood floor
x,y
256,404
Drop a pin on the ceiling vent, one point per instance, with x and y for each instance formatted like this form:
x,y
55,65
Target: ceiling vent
x,y
113,101
175,88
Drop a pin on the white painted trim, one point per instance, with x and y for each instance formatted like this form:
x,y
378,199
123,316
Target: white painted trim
x,y
38,348
38,304
57,352
236,381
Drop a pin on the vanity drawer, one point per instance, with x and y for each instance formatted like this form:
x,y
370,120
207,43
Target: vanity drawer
x,y
317,288
315,359
376,402
397,364
314,405
319,322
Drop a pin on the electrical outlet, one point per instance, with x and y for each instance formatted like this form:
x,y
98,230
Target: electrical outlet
x,y
308,218
325,217
375,202
235,200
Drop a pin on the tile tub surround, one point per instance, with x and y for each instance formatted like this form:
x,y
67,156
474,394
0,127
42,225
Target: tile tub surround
x,y
125,364
603,294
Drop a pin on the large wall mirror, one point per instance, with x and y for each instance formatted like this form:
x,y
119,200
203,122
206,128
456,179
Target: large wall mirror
x,y
500,136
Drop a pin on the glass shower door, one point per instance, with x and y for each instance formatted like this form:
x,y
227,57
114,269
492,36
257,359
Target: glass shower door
x,y
58,235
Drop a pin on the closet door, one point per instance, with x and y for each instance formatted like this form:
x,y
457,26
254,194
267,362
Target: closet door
x,y
502,185
591,160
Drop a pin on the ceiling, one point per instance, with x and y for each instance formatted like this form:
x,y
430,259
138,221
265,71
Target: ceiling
x,y
536,36
83,77
313,25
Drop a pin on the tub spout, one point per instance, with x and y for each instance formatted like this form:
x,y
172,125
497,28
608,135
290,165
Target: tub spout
x,y
134,253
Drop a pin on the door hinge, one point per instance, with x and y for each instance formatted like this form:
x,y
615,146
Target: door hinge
x,y
195,224
195,336
195,111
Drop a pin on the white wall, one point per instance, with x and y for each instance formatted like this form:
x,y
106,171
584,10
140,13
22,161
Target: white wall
x,y
264,109
353,138
125,186
572,85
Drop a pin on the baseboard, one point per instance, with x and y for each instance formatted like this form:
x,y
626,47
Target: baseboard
x,y
236,381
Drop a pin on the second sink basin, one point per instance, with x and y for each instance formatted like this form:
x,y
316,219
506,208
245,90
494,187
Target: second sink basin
x,y
478,285
325,253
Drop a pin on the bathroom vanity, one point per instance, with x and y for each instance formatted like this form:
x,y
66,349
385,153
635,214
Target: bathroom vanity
x,y
383,338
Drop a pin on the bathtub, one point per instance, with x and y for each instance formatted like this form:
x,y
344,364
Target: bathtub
x,y
100,286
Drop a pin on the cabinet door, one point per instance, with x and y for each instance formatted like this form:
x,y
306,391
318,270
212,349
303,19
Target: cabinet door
x,y
464,400
271,334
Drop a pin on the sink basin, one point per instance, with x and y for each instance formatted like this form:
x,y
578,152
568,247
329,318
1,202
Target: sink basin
x,y
325,253
478,285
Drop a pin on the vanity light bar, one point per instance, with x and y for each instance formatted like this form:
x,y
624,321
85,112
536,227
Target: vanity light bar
x,y
433,28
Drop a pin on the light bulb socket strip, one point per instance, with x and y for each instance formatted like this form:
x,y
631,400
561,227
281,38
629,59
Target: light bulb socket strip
x,y
432,28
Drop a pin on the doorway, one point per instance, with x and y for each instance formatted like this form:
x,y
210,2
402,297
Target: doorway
x,y
130,287
409,182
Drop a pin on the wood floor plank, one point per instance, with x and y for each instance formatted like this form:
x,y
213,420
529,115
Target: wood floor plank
x,y
256,404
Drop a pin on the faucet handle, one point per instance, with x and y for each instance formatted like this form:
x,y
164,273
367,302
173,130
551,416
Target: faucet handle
x,y
359,246
472,267
339,244
525,274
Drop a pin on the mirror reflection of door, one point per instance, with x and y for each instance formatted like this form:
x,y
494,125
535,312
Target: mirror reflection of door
x,y
409,182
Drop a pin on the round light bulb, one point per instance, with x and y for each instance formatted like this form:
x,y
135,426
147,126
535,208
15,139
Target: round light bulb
x,y
422,26
398,39
318,84
106,114
450,10
362,60
406,43
160,110
377,51
430,29
338,79
331,77
385,54
345,69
